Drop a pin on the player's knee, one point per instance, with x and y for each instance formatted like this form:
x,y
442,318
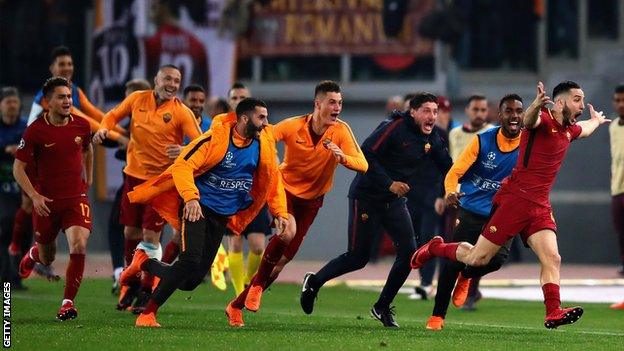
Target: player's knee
x,y
478,261
553,260
79,247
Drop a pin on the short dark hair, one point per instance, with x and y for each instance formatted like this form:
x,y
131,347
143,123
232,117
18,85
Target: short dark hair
x,y
564,87
619,89
236,85
193,88
509,97
248,104
223,105
51,83
58,52
476,97
326,86
420,98
409,96
8,91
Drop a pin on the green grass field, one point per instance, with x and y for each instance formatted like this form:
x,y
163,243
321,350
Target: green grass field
x,y
340,321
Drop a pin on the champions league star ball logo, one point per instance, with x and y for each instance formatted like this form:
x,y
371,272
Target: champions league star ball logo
x,y
227,160
489,160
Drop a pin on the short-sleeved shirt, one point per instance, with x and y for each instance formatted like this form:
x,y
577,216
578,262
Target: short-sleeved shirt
x,y
542,150
152,128
55,155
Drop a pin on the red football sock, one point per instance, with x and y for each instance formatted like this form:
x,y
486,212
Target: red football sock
x,y
272,254
552,301
147,280
171,252
151,307
73,275
445,250
129,246
239,301
22,226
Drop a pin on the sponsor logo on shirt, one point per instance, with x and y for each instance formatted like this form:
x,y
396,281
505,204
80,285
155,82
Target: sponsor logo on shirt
x,y
229,184
21,145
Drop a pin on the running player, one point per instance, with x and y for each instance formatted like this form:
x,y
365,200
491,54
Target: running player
x,y
159,121
58,147
224,178
315,144
522,204
395,151
481,167
62,65
255,233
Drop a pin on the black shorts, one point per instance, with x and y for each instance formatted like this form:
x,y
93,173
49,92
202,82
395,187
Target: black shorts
x,y
260,224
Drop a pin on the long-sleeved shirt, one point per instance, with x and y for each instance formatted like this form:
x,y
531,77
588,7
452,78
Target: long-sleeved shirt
x,y
395,151
308,168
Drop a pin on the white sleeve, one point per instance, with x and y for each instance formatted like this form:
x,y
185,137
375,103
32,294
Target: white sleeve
x,y
35,110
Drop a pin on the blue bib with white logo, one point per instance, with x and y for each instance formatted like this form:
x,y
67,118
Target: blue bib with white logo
x,y
484,177
225,188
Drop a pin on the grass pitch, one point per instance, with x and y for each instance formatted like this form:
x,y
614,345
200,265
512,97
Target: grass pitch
x,y
341,321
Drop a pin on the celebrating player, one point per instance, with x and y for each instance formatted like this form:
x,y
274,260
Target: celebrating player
x,y
58,147
522,205
224,178
159,122
485,162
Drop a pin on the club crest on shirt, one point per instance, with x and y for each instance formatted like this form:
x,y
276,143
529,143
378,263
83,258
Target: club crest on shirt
x,y
78,140
427,147
493,229
364,217
167,117
457,221
569,136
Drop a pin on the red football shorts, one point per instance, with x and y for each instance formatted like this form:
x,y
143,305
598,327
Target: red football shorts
x,y
513,215
64,213
304,212
138,215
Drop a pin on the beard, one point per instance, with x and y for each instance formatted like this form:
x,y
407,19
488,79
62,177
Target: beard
x,y
251,130
568,117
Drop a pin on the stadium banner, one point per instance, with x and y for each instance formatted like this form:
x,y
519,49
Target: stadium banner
x,y
133,38
333,27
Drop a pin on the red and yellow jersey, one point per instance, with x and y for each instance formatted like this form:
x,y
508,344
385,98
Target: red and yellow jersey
x,y
152,128
308,169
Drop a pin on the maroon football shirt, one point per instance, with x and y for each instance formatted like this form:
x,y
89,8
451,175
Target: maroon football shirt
x,y
55,155
542,151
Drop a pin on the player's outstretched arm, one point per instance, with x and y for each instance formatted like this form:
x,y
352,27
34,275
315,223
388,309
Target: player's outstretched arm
x,y
531,117
596,118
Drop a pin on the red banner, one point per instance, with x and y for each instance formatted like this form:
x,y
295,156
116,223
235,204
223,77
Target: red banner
x,y
332,27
